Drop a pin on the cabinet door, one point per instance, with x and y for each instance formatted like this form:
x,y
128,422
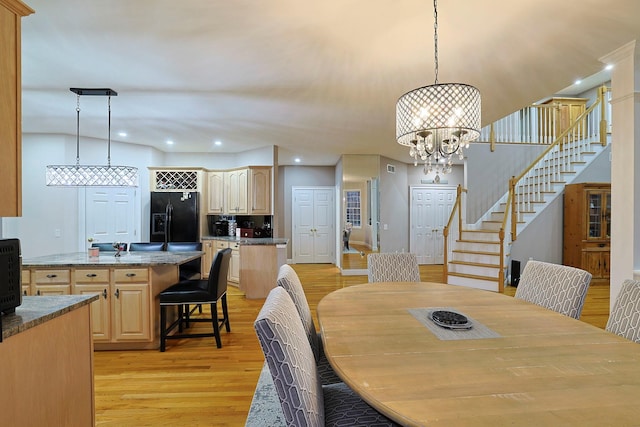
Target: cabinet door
x,y
260,191
209,251
234,263
131,312
237,185
216,193
100,309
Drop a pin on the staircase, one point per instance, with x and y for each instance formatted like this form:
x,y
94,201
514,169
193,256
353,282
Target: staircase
x,y
477,255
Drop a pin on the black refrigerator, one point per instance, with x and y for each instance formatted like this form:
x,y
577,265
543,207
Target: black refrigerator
x,y
174,217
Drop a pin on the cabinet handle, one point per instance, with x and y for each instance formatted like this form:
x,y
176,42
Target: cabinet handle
x,y
91,275
104,293
117,294
131,274
24,293
51,276
38,292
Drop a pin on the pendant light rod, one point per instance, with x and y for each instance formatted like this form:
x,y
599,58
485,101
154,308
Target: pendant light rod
x,y
435,37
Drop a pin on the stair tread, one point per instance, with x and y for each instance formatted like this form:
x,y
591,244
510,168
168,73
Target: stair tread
x,y
475,264
478,241
474,276
476,252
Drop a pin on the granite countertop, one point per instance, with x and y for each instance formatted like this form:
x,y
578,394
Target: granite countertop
x,y
36,310
250,240
107,259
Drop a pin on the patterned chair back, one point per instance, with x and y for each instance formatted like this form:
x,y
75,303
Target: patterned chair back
x,y
289,280
393,267
557,287
290,359
624,319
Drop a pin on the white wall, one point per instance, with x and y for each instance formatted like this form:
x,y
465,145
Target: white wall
x,y
394,207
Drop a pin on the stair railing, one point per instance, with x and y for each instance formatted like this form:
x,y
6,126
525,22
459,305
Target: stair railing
x,y
528,188
457,229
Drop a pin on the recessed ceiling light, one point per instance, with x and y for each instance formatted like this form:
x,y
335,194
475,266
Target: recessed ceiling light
x,y
217,142
297,160
577,82
122,134
608,67
169,142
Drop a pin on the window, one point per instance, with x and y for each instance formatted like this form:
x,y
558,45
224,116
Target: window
x,y
352,204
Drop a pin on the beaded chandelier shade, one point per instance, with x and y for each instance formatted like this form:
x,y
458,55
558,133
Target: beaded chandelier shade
x,y
91,175
438,121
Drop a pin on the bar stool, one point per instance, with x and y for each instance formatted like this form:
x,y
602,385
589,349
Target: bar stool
x,y
194,292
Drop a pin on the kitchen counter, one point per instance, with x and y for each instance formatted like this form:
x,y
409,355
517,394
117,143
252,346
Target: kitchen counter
x,y
107,259
36,310
250,240
47,356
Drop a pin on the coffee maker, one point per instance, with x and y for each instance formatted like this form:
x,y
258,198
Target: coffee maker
x,y
218,227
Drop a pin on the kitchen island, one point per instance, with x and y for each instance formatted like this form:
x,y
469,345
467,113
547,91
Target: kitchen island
x,y
254,261
47,362
125,316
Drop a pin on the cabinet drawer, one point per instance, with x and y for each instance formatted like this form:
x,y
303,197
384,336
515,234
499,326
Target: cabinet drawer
x,y
131,275
91,276
221,244
26,277
52,276
235,246
595,246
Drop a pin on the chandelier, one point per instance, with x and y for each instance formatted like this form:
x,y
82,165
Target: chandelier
x,y
92,175
438,121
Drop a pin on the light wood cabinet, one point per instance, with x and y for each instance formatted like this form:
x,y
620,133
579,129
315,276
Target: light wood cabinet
x,y
260,190
96,281
216,192
567,111
11,13
234,263
211,247
209,251
26,282
51,282
587,227
237,185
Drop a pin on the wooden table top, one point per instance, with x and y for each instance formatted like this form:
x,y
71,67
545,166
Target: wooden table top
x,y
544,369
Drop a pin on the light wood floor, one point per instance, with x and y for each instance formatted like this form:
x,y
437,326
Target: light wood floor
x,y
194,383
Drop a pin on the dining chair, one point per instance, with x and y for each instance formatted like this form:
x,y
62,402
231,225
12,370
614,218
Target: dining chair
x,y
146,246
624,319
393,267
194,292
557,287
288,279
304,400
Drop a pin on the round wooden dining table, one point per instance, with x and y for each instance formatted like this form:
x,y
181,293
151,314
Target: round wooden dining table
x,y
517,364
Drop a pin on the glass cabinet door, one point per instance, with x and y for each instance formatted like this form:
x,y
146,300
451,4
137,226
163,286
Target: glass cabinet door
x,y
598,216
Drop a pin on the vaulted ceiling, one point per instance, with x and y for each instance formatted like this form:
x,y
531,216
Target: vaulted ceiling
x,y
317,79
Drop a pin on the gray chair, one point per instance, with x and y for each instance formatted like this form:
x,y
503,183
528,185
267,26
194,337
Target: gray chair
x,y
289,281
194,292
557,287
624,319
393,267
146,246
304,400
108,247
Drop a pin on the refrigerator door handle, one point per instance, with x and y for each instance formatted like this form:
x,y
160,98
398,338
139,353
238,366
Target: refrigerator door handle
x,y
167,227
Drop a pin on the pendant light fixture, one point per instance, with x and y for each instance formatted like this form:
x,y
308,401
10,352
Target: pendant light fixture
x,y
437,121
92,175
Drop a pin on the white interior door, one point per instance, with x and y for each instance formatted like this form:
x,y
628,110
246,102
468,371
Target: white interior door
x,y
110,214
313,225
430,210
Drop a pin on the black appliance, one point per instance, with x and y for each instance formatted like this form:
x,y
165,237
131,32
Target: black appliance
x,y
10,277
174,217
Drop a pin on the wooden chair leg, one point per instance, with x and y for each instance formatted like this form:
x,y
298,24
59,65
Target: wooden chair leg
x,y
225,313
216,327
163,327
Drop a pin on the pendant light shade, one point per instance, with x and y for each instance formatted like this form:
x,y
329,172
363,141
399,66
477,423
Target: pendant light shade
x,y
92,175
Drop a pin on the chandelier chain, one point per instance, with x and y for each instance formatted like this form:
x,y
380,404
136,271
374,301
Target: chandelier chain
x,y
435,36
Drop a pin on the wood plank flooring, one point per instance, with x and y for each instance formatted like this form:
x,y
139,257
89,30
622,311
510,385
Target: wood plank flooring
x,y
196,384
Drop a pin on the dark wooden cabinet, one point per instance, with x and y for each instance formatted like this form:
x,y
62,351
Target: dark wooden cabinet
x,y
587,227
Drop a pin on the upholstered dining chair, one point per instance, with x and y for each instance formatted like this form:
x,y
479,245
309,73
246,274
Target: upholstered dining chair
x,y
624,319
393,267
194,292
304,400
288,279
557,287
146,246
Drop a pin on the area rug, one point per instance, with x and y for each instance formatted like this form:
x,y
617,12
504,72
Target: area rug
x,y
265,407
